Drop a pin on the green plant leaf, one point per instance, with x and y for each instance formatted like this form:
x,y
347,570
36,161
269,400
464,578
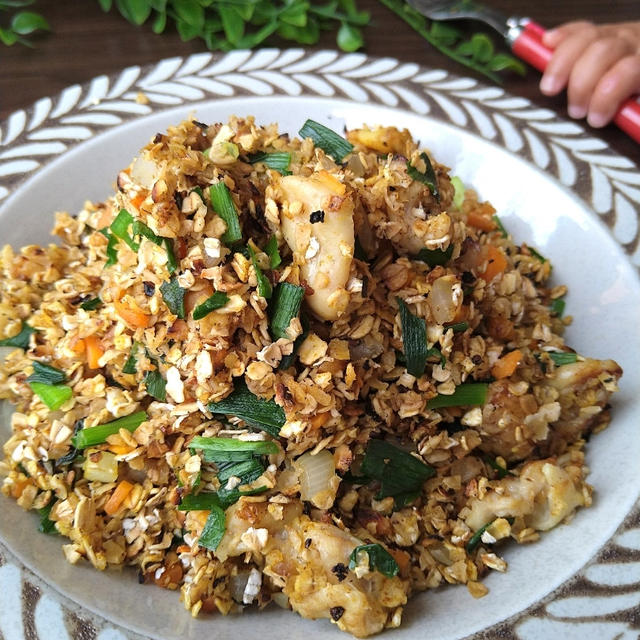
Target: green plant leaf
x,y
349,37
27,22
160,22
105,5
482,47
505,62
191,12
232,23
135,11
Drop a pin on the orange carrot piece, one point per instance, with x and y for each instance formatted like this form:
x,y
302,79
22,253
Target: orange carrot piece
x,y
120,449
320,419
505,366
496,264
136,201
132,314
183,548
94,351
480,221
78,346
117,497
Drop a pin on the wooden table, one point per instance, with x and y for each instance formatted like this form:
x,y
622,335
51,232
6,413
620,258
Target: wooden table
x,y
87,42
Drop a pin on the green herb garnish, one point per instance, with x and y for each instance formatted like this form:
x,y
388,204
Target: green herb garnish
x,y
537,254
53,395
213,302
466,394
264,286
428,177
287,361
223,205
156,385
285,305
21,339
47,525
458,327
46,374
400,474
173,295
139,228
458,192
278,161
557,307
214,529
130,364
561,358
272,251
97,435
503,231
246,470
435,257
326,139
414,339
120,228
256,412
232,449
379,559
476,538
91,304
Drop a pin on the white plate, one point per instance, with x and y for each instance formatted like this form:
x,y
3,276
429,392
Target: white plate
x,y
553,186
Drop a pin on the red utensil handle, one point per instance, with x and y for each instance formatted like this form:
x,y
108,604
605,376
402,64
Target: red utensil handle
x,y
528,46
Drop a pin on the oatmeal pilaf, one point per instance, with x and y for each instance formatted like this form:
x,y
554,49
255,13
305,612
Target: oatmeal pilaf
x,y
310,371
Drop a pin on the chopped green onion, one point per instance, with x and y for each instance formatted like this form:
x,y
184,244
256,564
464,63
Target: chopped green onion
x,y
213,302
172,263
329,141
204,501
156,385
246,470
214,529
398,472
130,364
264,286
112,247
557,307
53,395
141,229
173,295
272,251
91,305
230,496
285,305
537,255
21,339
97,435
47,525
435,257
466,394
458,192
46,374
428,177
476,538
502,471
256,412
120,228
503,231
561,358
232,449
223,205
278,160
287,361
458,327
71,455
414,339
379,559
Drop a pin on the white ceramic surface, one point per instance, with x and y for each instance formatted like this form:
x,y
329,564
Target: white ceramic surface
x,y
553,186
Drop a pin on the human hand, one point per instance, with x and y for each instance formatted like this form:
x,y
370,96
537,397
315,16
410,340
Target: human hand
x,y
598,64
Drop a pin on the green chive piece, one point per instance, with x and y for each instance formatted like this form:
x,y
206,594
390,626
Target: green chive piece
x,y
476,538
502,471
287,361
204,501
458,192
434,351
46,374
112,248
173,295
214,529
21,339
97,435
466,394
213,302
156,385
414,339
232,449
264,286
256,412
139,228
400,474
428,177
285,305
561,358
557,307
329,141
379,559
435,257
272,251
223,205
47,525
172,263
458,327
91,305
278,160
537,254
130,364
53,395
120,228
503,231
231,496
246,470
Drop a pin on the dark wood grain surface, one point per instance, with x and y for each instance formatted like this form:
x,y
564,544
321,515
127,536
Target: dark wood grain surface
x,y
85,42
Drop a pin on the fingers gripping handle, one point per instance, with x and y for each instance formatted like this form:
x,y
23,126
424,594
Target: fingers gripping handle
x,y
528,47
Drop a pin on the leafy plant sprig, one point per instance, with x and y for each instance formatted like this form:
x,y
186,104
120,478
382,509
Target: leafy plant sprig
x,y
23,23
477,53
245,24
